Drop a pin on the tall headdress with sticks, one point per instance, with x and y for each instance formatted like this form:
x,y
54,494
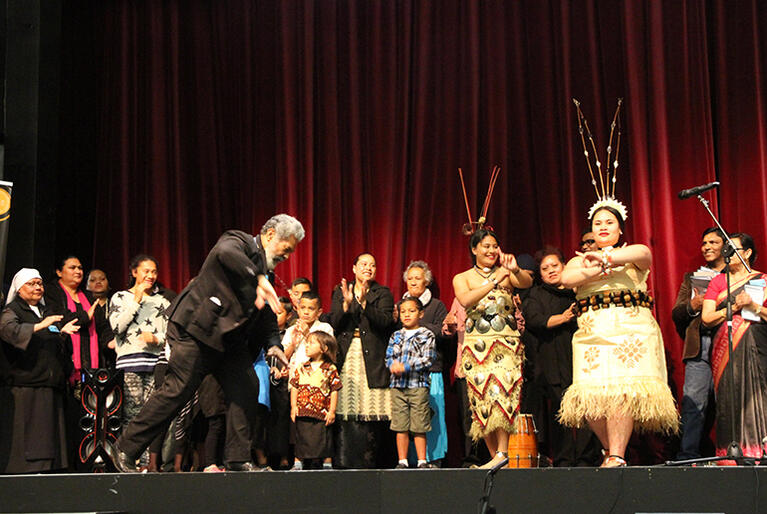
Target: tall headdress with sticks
x,y
606,190
472,226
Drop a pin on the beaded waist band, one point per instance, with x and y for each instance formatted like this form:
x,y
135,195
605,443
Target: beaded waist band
x,y
622,298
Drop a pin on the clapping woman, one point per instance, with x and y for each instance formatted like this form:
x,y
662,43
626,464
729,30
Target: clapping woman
x,y
361,316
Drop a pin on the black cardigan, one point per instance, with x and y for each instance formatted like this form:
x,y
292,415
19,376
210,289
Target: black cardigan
x,y
555,353
56,301
375,323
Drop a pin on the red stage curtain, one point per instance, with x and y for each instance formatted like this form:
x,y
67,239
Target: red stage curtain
x,y
355,115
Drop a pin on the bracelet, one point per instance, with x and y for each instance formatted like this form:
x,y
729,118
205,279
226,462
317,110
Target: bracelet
x,y
495,282
607,262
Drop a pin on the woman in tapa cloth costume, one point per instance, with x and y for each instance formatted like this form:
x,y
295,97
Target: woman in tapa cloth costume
x,y
619,366
492,352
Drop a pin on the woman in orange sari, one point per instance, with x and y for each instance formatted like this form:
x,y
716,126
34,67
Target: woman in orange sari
x,y
748,362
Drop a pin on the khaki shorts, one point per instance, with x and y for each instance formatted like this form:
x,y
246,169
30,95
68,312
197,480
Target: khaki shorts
x,y
410,411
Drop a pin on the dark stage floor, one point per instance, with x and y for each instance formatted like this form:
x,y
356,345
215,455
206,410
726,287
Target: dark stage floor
x,y
732,490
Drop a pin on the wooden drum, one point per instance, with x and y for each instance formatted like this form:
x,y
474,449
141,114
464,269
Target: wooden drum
x,y
523,446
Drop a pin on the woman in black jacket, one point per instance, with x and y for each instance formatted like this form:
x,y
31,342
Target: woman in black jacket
x,y
33,367
550,316
361,316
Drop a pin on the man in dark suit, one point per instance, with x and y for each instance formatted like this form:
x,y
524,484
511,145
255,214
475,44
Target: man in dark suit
x,y
215,325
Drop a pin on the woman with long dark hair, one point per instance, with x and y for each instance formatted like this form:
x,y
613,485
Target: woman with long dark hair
x,y
747,366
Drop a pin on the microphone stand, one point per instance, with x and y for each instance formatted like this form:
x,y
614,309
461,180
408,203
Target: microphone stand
x,y
484,506
734,451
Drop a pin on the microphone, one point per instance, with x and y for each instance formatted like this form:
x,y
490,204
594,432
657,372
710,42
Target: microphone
x,y
694,191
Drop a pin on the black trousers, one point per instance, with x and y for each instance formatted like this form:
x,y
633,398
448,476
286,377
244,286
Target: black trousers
x,y
190,361
570,447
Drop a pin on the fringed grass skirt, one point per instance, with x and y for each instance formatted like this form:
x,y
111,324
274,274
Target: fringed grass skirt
x,y
619,369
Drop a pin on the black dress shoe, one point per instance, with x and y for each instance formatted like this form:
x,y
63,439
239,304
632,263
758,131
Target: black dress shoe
x,y
125,464
243,466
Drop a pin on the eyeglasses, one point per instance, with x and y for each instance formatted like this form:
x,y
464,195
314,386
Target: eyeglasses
x,y
34,284
588,242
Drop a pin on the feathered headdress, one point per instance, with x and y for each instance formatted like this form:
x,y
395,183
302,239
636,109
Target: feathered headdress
x,y
472,226
606,190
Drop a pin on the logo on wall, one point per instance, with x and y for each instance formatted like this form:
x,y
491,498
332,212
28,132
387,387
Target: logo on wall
x,y
5,214
5,201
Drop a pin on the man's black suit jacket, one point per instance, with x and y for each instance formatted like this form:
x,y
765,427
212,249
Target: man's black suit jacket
x,y
218,306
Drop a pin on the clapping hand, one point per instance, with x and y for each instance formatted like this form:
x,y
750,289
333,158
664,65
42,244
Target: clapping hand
x,y
450,324
591,259
508,261
347,290
71,327
696,302
569,313
148,337
48,321
397,368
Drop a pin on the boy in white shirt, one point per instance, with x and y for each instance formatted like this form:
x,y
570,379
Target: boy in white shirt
x,y
293,343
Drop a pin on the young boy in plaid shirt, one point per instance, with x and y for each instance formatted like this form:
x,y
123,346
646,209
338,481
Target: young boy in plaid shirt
x,y
409,357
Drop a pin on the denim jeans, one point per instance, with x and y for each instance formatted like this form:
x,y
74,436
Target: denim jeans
x,y
698,385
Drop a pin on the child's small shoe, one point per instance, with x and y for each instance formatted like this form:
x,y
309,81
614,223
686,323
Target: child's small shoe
x,y
297,466
213,469
426,465
401,465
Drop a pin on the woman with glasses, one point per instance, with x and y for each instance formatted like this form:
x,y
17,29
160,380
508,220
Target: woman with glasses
x,y
748,362
588,242
33,369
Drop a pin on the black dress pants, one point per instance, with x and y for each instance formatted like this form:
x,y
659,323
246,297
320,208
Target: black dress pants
x,y
190,361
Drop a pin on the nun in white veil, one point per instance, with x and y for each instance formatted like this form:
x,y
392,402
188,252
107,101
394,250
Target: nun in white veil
x,y
33,367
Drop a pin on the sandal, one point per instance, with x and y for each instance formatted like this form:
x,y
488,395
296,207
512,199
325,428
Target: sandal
x,y
498,455
614,461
